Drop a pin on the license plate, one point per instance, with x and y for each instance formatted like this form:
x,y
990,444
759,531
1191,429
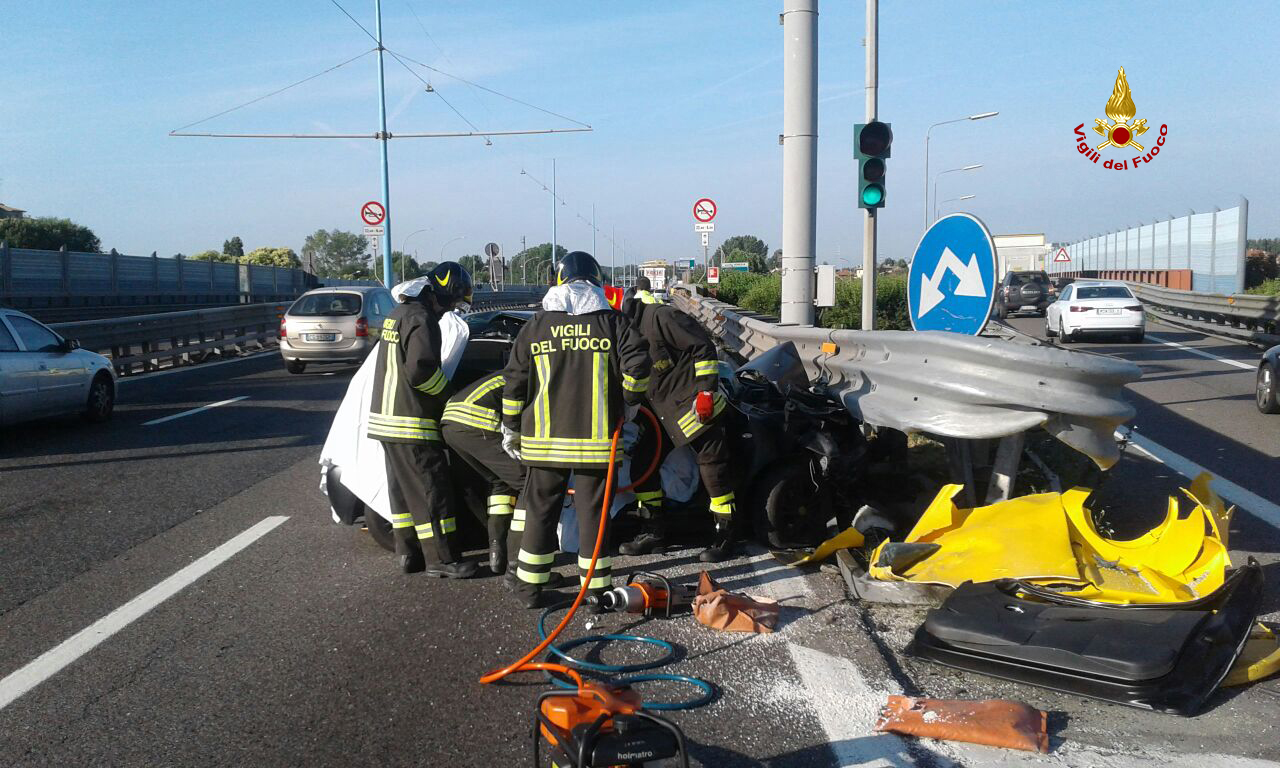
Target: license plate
x,y
1108,311
322,336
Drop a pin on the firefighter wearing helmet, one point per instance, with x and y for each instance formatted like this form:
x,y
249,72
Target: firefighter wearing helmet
x,y
408,398
574,369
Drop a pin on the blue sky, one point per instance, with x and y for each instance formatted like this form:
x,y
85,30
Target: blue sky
x,y
685,99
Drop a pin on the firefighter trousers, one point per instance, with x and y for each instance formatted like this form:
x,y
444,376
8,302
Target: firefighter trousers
x,y
712,452
544,493
421,491
482,451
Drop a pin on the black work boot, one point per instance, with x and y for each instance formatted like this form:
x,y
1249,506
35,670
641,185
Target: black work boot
x,y
413,561
725,543
459,570
498,527
650,539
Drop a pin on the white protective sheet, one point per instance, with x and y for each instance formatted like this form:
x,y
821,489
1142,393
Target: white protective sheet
x,y
364,470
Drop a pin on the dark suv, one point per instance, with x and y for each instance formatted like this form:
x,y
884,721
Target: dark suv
x,y
1024,289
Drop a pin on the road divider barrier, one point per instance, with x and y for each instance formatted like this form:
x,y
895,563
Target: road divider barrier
x,y
1239,317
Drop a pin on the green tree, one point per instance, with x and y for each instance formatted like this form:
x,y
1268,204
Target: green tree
x,y
748,248
49,234
405,267
273,257
208,256
233,249
339,253
530,265
775,261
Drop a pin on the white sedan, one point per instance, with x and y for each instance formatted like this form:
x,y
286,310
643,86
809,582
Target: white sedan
x,y
43,374
1095,307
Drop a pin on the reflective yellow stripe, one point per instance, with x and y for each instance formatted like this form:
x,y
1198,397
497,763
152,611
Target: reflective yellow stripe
x,y
706,368
649,496
526,556
512,407
389,378
449,524
408,422
501,500
599,395
425,435
530,577
517,525
483,425
602,564
520,514
484,389
567,457
434,385
632,384
541,400
599,582
406,522
722,505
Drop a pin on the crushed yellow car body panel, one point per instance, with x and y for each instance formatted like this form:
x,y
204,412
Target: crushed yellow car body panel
x,y
1050,539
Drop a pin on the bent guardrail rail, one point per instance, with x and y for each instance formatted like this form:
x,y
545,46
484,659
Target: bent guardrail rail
x,y
946,384
1239,317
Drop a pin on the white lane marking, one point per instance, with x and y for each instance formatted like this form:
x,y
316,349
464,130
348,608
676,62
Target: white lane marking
x,y
845,705
218,404
55,659
192,367
1194,351
1229,491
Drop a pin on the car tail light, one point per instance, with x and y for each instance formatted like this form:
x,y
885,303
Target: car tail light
x,y
362,327
1134,307
1078,308
283,333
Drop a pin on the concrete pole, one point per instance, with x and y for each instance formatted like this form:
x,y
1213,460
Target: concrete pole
x,y
799,158
869,221
387,276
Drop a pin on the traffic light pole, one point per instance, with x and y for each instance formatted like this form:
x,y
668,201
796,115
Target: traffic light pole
x,y
869,223
799,157
387,276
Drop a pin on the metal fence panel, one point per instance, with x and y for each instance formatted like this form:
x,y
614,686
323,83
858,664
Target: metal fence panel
x,y
89,272
168,269
135,274
226,277
36,271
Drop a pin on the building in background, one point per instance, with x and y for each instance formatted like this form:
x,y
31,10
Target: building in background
x,y
7,212
1021,253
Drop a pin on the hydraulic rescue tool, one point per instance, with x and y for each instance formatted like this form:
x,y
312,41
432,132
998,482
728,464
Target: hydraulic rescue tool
x,y
598,724
646,593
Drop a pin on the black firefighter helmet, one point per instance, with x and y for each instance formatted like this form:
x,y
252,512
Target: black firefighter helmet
x,y
578,265
451,284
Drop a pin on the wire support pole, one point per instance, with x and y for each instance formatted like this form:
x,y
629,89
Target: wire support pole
x,y
388,278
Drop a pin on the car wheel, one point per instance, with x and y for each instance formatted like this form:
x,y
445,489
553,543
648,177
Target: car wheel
x,y
1065,337
102,399
1049,333
379,529
1267,399
1138,337
295,366
790,511
1002,313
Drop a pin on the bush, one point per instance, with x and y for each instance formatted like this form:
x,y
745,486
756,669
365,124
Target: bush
x,y
1266,288
765,296
891,305
734,285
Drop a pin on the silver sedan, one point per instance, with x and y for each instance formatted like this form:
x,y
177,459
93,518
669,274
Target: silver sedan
x,y
43,374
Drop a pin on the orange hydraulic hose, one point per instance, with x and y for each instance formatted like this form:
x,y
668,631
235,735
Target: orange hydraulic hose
x,y
526,663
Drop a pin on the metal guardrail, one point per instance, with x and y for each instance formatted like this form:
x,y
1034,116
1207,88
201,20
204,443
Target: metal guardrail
x,y
1239,317
141,343
945,384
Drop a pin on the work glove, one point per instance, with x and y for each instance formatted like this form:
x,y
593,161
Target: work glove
x,y
511,442
631,432
704,405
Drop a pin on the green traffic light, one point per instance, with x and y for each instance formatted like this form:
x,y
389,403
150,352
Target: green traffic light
x,y
872,194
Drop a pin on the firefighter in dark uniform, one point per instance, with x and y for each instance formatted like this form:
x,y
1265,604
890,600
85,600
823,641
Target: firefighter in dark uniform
x,y
684,393
471,427
571,369
408,397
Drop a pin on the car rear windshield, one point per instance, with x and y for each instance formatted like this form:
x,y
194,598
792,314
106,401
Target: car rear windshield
x,y
1103,292
326,305
1028,277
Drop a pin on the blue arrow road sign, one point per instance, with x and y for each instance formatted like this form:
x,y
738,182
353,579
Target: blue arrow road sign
x,y
952,282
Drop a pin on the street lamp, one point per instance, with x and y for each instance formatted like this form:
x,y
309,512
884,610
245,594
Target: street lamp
x,y
973,167
949,200
979,116
446,245
403,246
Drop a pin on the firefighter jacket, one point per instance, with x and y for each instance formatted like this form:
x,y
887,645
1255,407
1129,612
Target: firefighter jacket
x,y
684,364
566,381
409,384
477,405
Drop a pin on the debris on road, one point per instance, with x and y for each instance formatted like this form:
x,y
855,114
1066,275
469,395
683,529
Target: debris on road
x,y
992,722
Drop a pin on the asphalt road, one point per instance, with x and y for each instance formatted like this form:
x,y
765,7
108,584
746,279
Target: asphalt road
x,y
305,645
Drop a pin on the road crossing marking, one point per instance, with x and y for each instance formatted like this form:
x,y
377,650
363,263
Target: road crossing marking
x,y
1194,351
54,660
193,411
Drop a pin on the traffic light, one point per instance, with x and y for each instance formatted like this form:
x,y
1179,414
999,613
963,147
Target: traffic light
x,y
871,142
